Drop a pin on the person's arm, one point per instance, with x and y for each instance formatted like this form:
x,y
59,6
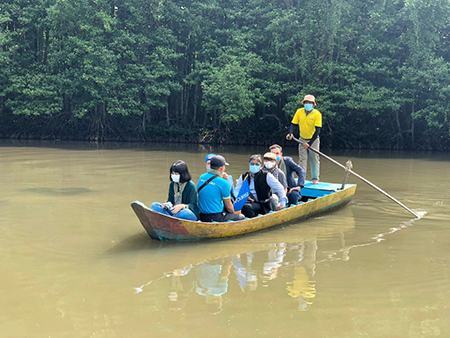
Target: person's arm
x,y
225,189
238,186
293,128
171,197
192,198
298,169
277,189
230,180
315,136
228,205
318,126
282,179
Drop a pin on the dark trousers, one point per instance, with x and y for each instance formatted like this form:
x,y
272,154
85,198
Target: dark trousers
x,y
220,217
253,209
293,197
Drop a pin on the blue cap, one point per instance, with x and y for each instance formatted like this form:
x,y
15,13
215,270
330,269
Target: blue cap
x,y
208,157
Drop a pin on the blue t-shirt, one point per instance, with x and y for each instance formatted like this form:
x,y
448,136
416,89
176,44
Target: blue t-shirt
x,y
210,198
209,281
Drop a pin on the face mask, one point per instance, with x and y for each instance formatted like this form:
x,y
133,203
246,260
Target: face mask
x,y
308,106
269,165
175,178
254,168
278,158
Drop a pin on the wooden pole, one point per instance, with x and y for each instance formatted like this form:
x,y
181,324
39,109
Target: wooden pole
x,y
359,176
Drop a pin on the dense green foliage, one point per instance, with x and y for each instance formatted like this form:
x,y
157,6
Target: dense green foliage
x,y
226,70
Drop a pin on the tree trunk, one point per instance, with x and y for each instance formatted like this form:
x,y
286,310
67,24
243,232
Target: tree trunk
x,y
186,103
194,116
144,118
412,125
100,116
46,45
67,107
167,113
399,130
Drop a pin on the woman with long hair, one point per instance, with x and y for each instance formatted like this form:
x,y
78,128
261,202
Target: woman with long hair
x,y
182,199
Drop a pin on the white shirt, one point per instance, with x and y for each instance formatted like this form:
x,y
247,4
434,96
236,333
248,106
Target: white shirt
x,y
272,182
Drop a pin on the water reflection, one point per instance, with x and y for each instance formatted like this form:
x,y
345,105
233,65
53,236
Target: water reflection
x,y
285,269
211,282
287,266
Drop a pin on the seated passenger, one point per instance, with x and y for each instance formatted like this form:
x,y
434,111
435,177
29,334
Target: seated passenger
x,y
270,165
262,184
208,158
214,198
182,200
226,176
289,167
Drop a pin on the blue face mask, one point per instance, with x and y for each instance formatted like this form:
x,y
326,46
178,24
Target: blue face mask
x,y
278,158
254,168
308,106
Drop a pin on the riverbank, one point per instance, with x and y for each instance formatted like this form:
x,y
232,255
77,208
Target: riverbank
x,y
245,133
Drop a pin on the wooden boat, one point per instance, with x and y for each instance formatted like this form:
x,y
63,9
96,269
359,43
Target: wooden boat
x,y
321,197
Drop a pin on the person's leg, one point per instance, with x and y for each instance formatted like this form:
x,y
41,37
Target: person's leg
x,y
186,214
232,217
302,156
293,197
211,217
158,207
274,202
314,160
248,210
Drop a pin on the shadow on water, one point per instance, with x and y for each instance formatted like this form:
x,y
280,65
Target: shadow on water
x,y
59,191
134,243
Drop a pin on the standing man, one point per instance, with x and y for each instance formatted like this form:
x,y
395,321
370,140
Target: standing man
x,y
309,121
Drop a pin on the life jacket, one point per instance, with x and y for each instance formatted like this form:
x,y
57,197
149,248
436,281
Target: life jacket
x,y
261,187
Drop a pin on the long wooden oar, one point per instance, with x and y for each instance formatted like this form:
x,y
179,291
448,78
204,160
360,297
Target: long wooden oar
x,y
359,176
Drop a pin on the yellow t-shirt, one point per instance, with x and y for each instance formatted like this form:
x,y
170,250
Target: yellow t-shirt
x,y
307,122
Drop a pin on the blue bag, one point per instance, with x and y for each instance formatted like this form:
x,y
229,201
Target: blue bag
x,y
242,197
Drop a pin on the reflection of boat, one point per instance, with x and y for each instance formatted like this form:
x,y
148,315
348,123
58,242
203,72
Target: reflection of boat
x,y
215,271
321,197
293,265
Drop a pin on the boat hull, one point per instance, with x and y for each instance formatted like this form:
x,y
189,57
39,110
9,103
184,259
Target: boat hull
x,y
164,227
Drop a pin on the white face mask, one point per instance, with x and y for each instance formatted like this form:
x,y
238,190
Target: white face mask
x,y
175,178
269,164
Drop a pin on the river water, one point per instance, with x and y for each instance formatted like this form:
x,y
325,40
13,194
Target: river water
x,y
75,261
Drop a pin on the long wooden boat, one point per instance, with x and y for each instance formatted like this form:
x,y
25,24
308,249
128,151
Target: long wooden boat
x,y
321,197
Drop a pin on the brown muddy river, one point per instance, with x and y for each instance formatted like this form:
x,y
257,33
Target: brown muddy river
x,y
75,261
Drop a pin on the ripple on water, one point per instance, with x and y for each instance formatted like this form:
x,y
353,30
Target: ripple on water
x,y
59,191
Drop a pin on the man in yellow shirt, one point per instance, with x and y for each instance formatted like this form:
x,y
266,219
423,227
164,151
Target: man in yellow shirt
x,y
309,121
